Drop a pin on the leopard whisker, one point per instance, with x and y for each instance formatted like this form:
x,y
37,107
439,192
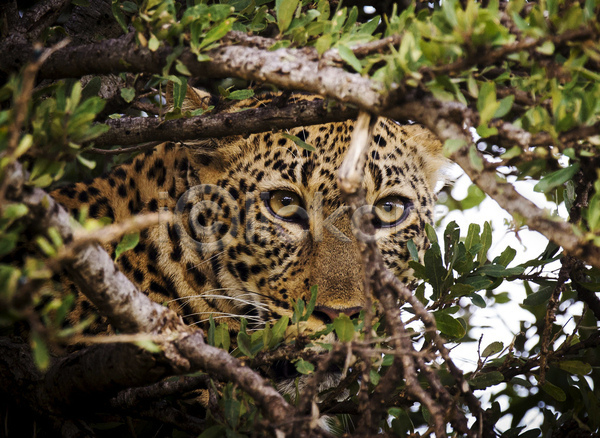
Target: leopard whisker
x,y
220,315
224,297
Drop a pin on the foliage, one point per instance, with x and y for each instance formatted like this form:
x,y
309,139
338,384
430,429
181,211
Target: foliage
x,y
534,66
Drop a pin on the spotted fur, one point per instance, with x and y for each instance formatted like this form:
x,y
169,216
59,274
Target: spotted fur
x,y
226,254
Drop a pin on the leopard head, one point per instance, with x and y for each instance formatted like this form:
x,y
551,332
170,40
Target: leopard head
x,y
263,221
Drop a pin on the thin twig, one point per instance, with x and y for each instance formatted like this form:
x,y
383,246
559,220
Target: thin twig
x,y
138,148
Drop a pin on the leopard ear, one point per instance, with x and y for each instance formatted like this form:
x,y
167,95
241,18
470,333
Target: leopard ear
x,y
194,98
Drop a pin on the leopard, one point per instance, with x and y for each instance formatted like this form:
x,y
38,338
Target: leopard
x,y
253,222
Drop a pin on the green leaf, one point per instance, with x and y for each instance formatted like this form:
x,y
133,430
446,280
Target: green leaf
x,y
179,92
45,246
279,331
349,57
232,410
418,269
593,212
267,335
402,425
388,359
431,234
304,367
41,355
554,391
520,381
323,43
298,311
24,145
451,237
547,48
217,32
299,142
486,102
374,377
494,348
241,94
449,326
148,345
344,329
515,151
499,271
477,300
540,297
473,237
486,380
461,289
575,367
153,43
413,251
452,145
14,211
486,241
284,10
222,338
310,307
474,197
129,7
182,68
505,106
506,257
129,241
128,94
91,133
244,344
475,158
118,14
556,179
434,267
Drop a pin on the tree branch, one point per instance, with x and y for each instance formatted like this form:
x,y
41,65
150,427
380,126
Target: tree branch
x,y
286,68
129,131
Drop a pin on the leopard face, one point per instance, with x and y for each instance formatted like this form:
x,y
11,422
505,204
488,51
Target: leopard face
x,y
258,220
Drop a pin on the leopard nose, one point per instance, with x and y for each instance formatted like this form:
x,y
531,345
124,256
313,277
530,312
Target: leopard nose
x,y
328,314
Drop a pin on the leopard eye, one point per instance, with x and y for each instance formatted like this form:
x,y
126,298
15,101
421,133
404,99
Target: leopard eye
x,y
390,211
286,205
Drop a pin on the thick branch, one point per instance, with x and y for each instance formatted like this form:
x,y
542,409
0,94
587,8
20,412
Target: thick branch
x,y
286,68
128,131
